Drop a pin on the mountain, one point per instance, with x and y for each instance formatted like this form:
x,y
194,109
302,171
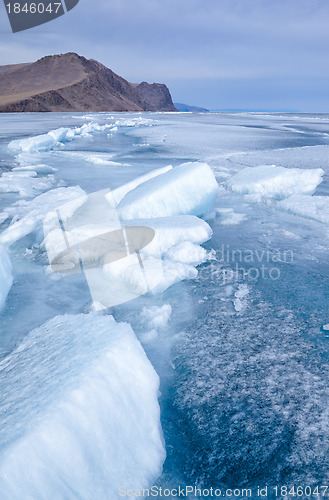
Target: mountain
x,y
187,108
69,82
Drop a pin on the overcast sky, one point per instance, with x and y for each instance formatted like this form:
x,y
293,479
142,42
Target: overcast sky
x,y
220,54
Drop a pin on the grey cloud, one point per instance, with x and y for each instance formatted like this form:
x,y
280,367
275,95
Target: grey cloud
x,y
198,45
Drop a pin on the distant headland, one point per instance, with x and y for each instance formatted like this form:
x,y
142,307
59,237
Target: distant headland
x,y
69,82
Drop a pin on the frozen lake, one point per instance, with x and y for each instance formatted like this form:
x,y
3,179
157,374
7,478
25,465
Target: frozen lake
x,y
241,349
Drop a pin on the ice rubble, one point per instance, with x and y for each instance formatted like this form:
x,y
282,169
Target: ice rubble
x,y
121,191
228,217
86,418
240,294
170,257
38,169
47,142
6,277
187,252
154,270
190,188
255,404
270,181
26,215
170,233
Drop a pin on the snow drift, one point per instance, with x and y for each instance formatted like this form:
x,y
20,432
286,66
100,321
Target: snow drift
x,y
79,412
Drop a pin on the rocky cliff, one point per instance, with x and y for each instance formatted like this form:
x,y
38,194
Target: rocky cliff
x,y
69,82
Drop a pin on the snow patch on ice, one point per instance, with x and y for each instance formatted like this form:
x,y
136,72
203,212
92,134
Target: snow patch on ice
x,y
79,412
47,142
135,122
121,191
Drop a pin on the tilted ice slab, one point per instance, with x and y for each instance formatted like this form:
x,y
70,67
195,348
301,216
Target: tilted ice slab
x,y
29,214
269,181
79,412
169,258
190,188
311,207
6,277
38,169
